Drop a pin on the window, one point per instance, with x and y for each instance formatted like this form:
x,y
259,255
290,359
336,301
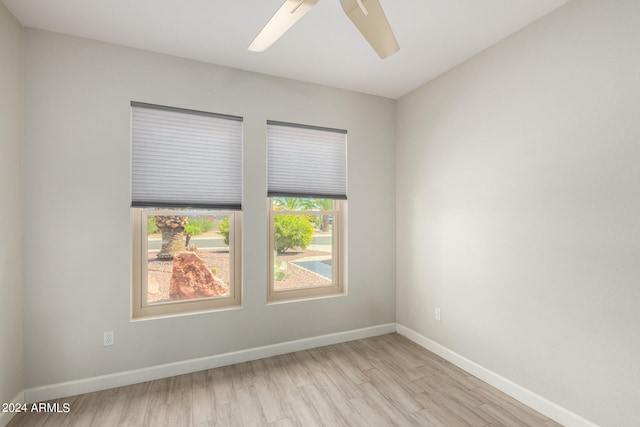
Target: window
x,y
306,179
186,188
305,247
185,261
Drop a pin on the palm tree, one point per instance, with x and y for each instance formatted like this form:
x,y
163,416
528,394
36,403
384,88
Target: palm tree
x,y
324,205
172,228
293,204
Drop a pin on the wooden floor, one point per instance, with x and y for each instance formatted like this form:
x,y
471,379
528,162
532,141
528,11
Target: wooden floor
x,y
381,381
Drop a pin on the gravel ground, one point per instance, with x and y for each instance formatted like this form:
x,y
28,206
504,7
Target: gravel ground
x,y
160,272
300,277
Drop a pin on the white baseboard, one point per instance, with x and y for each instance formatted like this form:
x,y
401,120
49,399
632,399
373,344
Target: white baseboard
x,y
5,417
103,382
529,398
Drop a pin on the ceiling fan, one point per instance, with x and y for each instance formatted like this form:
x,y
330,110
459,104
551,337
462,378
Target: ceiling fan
x,y
366,15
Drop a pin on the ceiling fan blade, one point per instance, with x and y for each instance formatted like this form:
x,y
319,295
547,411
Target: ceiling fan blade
x,y
288,14
369,18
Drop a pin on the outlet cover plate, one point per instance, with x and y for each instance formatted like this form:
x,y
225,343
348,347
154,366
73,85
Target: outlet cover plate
x,y
108,339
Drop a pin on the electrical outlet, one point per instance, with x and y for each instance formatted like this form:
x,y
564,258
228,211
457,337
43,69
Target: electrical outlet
x,y
438,314
108,338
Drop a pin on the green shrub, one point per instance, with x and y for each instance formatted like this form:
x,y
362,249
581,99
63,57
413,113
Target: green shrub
x,y
201,223
151,225
291,231
191,230
224,229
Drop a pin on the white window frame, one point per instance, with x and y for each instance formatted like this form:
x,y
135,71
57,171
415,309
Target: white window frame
x,y
141,309
338,286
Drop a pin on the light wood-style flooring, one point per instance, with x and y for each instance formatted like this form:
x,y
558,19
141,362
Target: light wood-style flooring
x,y
381,381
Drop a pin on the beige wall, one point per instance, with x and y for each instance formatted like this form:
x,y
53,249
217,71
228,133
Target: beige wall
x,y
518,206
77,207
11,140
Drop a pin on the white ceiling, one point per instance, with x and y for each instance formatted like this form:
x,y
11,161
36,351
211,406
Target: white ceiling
x,y
323,47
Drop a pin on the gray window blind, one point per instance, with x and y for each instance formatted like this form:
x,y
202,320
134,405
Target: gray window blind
x,y
185,158
306,161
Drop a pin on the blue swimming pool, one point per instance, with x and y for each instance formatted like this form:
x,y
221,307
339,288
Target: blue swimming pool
x,y
322,267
